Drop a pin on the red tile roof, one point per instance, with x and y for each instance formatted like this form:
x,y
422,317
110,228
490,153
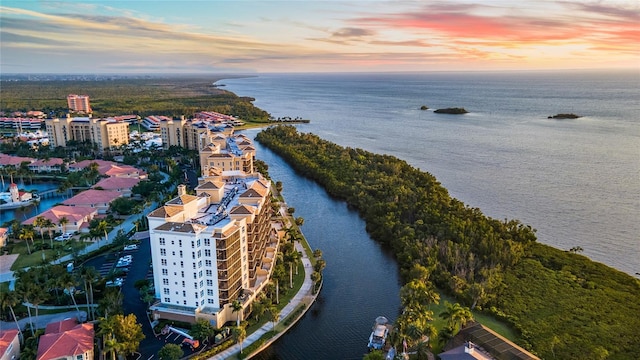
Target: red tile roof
x,y
72,213
93,197
72,342
115,183
6,337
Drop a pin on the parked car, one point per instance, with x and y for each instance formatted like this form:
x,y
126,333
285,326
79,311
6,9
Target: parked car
x,y
63,237
130,247
115,282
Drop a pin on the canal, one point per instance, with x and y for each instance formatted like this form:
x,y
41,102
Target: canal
x,y
361,280
30,211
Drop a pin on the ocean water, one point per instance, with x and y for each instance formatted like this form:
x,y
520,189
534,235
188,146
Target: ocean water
x,y
576,181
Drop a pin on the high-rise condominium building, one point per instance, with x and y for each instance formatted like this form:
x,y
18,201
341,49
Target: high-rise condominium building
x,y
105,133
78,103
215,247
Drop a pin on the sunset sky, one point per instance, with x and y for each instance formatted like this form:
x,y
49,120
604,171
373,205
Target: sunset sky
x,y
316,36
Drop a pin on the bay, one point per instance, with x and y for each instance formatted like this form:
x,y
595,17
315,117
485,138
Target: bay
x,y
575,181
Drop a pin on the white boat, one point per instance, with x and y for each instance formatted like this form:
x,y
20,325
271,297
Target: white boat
x,y
379,334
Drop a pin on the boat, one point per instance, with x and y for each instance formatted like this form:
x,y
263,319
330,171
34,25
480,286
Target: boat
x,y
379,334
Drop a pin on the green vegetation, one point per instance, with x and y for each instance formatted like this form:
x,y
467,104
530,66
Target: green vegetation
x,y
143,97
564,116
454,111
562,304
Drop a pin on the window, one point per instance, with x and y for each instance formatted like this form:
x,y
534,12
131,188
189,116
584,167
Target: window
x,y
181,264
180,243
162,241
200,273
195,276
194,266
209,273
184,302
163,262
200,263
193,244
209,282
165,281
207,252
201,293
193,255
207,263
210,292
163,252
201,283
167,300
199,254
183,284
184,293
165,272
210,301
182,273
166,291
180,253
198,242
207,242
173,242
79,357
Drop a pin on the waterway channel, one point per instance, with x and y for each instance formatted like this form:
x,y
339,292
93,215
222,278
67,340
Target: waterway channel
x,y
361,280
30,211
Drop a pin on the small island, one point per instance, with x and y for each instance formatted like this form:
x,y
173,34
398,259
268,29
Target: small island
x,y
564,116
455,111
424,107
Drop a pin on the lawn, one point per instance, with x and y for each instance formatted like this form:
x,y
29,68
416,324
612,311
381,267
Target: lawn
x,y
38,256
483,318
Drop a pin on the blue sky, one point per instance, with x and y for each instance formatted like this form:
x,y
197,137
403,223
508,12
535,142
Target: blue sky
x,y
302,36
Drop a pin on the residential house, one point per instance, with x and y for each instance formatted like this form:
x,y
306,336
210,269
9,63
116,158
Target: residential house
x,y
9,344
122,185
78,216
476,341
67,340
46,165
94,199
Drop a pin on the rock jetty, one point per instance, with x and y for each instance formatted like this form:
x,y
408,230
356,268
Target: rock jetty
x,y
455,111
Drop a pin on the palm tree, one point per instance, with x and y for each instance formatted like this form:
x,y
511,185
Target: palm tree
x,y
89,275
63,223
49,225
26,234
236,306
102,227
456,315
69,284
24,290
239,334
274,314
317,253
315,277
39,223
9,299
37,295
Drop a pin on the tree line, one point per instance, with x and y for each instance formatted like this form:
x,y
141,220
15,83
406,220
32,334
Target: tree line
x,y
480,260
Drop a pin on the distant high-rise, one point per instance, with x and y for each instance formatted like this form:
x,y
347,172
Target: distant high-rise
x,y
79,103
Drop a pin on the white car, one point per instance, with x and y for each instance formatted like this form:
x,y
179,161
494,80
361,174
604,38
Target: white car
x,y
116,282
131,247
63,237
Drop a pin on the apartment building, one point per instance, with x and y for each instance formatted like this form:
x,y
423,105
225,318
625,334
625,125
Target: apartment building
x,y
78,103
192,133
212,248
105,133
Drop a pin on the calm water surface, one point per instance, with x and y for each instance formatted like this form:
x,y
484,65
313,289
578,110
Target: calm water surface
x,y
28,212
361,280
575,181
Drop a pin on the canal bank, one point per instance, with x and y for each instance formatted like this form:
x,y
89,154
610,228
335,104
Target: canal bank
x,y
361,280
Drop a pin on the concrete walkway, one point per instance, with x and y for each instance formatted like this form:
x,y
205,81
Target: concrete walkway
x,y
299,298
